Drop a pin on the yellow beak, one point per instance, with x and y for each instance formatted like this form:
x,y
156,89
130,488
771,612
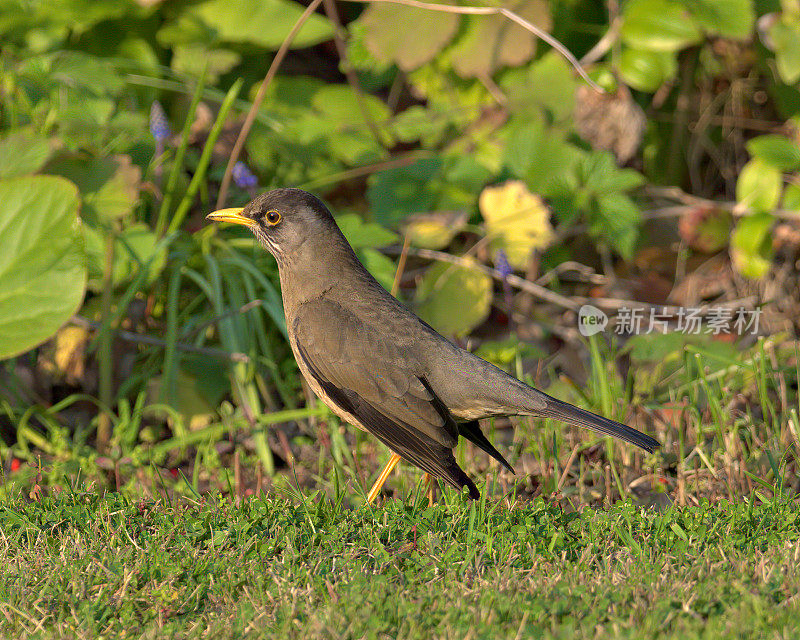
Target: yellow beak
x,y
234,216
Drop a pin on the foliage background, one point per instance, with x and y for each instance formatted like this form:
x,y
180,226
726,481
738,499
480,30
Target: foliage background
x,y
475,174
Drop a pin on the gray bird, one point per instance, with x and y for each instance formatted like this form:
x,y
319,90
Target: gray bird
x,y
376,364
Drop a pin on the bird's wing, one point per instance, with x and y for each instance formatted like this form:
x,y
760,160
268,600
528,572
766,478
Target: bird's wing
x,y
365,373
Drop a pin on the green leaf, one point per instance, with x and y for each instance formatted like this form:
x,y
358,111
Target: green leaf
x,y
23,151
42,270
759,186
453,299
658,25
751,245
193,58
517,221
419,123
361,234
548,83
647,70
791,197
619,219
785,37
602,175
406,36
539,155
490,42
778,151
726,18
396,192
265,23
109,186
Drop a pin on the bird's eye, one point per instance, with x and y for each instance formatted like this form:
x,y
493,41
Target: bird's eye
x,y
273,217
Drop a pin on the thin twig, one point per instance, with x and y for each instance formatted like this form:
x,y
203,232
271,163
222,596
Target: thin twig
x,y
573,303
507,13
604,44
262,91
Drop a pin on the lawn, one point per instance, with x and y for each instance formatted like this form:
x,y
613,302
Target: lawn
x,y
87,565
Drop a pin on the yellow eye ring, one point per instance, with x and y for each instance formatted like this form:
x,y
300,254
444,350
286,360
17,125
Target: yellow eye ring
x,y
273,217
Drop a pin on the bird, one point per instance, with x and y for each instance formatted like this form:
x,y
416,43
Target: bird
x,y
378,366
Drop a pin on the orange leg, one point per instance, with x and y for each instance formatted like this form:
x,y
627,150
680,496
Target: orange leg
x,y
430,488
376,488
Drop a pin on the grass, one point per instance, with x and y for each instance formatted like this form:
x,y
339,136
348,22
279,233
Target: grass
x,y
87,565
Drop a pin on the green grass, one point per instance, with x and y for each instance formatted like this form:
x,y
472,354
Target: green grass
x,y
88,566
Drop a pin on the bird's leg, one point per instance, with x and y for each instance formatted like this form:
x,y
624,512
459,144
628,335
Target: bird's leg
x,y
430,488
376,488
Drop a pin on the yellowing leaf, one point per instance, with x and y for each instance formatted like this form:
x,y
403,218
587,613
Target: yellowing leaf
x,y
434,230
516,219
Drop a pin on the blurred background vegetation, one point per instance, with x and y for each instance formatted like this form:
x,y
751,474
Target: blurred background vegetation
x,y
479,178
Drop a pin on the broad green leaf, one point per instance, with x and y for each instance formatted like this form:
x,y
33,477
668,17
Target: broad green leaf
x,y
109,186
658,25
791,197
778,151
517,221
419,123
265,23
549,83
362,235
74,69
397,192
42,270
490,42
434,230
453,299
759,186
618,222
647,70
602,175
79,15
751,245
22,152
340,101
193,58
785,37
406,36
726,18
539,155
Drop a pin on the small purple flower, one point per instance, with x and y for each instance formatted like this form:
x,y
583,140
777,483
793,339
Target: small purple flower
x,y
501,263
159,125
243,177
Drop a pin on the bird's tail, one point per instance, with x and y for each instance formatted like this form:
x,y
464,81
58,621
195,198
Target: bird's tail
x,y
580,417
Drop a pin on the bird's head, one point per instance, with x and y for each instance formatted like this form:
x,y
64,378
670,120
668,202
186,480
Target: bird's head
x,y
283,220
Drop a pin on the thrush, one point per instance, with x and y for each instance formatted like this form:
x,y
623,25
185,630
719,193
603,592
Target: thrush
x,y
375,363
